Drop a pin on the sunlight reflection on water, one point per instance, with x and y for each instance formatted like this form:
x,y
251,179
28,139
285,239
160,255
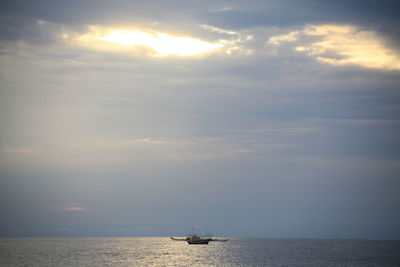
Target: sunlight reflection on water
x,y
166,252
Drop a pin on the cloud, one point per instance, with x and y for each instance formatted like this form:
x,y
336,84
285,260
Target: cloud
x,y
290,37
222,9
85,120
158,43
341,45
218,30
74,207
148,141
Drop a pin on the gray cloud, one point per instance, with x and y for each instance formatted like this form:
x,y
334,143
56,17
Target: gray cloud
x,y
262,140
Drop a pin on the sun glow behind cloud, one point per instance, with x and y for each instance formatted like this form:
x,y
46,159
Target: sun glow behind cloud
x,y
152,42
341,45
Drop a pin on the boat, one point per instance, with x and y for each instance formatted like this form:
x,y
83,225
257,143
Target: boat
x,y
197,240
194,239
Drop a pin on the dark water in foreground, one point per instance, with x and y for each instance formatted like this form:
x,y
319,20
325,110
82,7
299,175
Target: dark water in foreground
x,y
166,252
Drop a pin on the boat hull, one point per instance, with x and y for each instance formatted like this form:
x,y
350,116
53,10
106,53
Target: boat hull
x,y
199,242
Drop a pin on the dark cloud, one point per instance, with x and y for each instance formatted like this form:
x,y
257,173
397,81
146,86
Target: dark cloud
x,y
381,15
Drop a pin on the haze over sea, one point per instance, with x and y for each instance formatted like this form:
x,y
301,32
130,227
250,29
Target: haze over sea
x,y
157,251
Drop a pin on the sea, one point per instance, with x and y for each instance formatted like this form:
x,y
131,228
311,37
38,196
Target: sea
x,y
162,251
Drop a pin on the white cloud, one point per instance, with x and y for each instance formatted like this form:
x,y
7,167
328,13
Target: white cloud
x,y
290,37
341,45
155,43
218,30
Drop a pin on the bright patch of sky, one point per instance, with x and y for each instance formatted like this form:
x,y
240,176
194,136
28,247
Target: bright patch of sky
x,y
341,45
152,42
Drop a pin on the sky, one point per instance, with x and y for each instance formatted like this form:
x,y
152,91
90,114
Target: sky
x,y
275,119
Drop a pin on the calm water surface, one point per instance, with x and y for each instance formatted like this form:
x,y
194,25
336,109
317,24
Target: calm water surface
x,y
166,252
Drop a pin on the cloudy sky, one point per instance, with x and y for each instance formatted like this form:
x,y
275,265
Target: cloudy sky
x,y
241,118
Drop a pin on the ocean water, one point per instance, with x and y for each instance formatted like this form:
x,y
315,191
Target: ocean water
x,y
166,252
